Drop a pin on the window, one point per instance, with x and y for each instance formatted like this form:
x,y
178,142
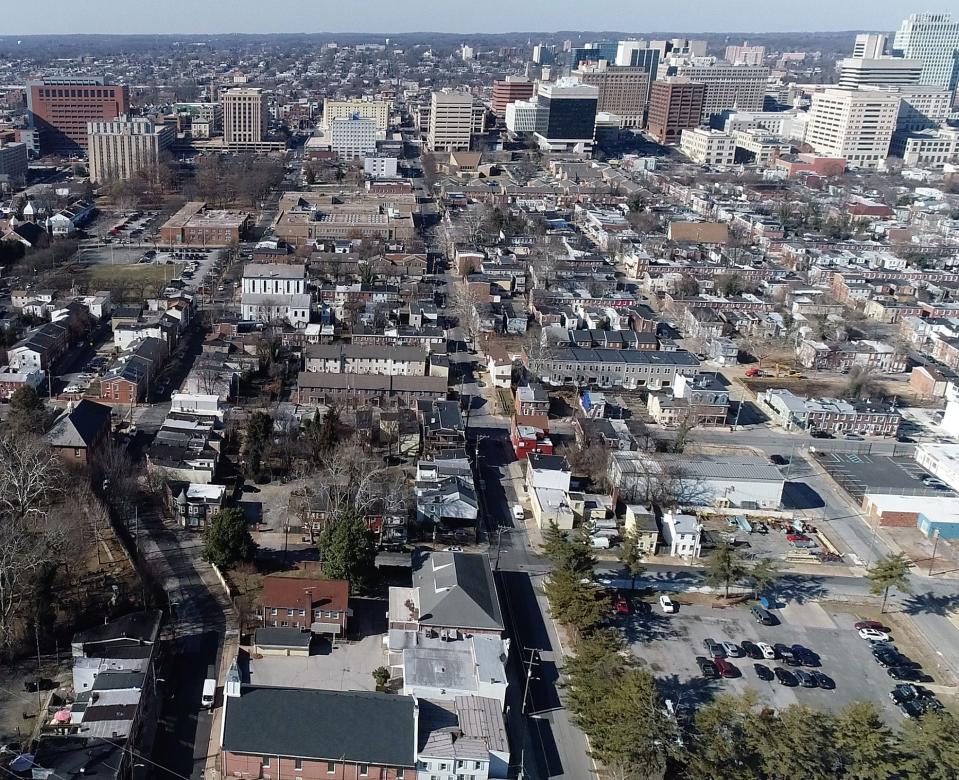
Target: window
x,y
302,612
273,611
364,770
265,762
330,767
298,764
289,613
400,774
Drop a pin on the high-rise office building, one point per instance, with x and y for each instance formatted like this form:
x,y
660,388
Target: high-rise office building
x,y
352,137
627,51
623,91
883,71
244,117
593,52
570,108
377,110
60,109
451,121
869,46
525,116
933,39
855,124
728,87
14,162
120,148
509,90
746,54
674,105
544,54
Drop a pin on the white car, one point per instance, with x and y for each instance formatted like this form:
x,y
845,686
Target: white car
x,y
872,635
518,513
667,605
767,650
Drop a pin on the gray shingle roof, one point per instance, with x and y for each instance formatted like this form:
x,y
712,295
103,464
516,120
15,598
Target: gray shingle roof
x,y
456,590
346,726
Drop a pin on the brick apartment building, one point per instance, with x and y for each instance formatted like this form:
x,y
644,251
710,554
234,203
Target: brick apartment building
x,y
59,109
320,606
196,225
674,106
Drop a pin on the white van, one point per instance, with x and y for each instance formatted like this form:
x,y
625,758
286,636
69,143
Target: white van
x,y
518,513
599,542
209,693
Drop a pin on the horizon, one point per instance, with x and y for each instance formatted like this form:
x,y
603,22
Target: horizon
x,y
494,17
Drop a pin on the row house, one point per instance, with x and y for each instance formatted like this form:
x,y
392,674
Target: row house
x,y
612,339
745,302
39,350
129,381
875,355
430,338
529,434
366,359
356,391
829,415
608,368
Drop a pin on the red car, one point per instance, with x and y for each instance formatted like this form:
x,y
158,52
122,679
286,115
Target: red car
x,y
797,538
725,668
620,606
873,624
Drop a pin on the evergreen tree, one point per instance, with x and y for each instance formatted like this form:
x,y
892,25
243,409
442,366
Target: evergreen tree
x,y
865,745
348,551
227,539
890,571
724,566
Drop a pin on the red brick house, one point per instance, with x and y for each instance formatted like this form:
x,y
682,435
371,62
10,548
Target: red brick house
x,y
273,733
81,434
530,434
316,605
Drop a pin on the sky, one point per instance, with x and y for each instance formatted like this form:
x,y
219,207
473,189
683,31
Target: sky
x,y
469,16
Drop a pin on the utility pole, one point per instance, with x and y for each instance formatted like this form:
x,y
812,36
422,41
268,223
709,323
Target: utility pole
x,y
533,653
935,546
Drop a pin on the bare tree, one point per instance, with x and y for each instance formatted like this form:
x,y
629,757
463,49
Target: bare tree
x,y
661,480
29,476
463,303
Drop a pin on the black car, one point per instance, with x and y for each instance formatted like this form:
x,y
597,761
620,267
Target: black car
x,y
778,460
707,668
763,672
912,709
785,677
824,681
763,616
822,435
910,673
785,652
806,680
805,656
887,657
751,650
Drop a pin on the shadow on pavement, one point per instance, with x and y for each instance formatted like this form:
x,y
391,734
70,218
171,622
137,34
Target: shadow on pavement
x,y
798,495
930,603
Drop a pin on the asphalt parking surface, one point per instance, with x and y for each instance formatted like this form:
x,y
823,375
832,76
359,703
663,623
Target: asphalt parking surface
x,y
669,645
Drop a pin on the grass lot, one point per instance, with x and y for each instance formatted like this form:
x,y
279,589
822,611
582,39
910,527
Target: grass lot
x,y
147,274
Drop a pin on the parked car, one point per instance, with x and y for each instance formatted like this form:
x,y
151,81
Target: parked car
x,y
620,606
908,692
785,677
873,635
785,652
707,668
875,625
751,649
805,656
667,605
764,673
725,668
714,649
805,679
732,650
768,651
518,513
778,460
763,616
824,681
910,673
912,709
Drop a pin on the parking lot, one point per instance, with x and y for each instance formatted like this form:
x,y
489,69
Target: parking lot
x,y
669,645
863,473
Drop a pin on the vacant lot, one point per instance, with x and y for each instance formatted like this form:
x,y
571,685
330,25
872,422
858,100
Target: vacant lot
x,y
669,644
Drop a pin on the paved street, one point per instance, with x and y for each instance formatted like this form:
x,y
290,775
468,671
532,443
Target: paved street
x,y
200,615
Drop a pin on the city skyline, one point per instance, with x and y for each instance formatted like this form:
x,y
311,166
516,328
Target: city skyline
x,y
495,16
